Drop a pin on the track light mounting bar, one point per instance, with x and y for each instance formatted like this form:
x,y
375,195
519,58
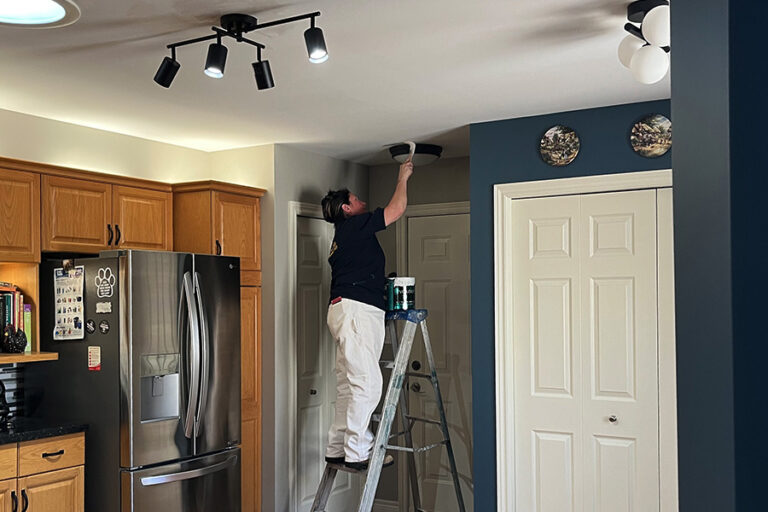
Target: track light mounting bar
x,y
235,25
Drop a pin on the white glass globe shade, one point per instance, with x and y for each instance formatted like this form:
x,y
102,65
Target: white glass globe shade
x,y
655,26
627,48
649,64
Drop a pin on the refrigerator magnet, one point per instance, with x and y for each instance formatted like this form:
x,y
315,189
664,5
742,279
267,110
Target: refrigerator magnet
x,y
104,327
105,283
94,359
90,326
103,307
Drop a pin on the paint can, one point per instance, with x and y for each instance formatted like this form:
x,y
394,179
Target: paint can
x,y
404,293
389,292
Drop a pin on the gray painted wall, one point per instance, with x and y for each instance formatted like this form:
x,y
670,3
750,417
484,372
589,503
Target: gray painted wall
x,y
305,177
444,181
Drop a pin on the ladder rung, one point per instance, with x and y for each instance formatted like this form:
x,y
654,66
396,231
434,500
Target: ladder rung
x,y
420,375
425,420
414,450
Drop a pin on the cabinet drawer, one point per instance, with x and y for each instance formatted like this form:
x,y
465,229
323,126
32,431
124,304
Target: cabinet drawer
x,y
52,453
8,462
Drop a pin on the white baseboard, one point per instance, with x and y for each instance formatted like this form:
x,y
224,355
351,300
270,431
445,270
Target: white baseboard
x,y
385,506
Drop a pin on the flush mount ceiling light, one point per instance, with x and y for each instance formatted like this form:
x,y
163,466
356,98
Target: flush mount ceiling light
x,y
38,13
234,26
423,155
645,51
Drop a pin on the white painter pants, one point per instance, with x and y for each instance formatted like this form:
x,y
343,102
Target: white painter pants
x,y
359,332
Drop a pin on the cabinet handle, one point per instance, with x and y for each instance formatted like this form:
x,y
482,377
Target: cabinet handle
x,y
54,454
15,501
111,234
218,248
117,241
24,501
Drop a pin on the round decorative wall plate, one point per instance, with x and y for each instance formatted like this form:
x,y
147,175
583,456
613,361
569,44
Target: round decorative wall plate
x,y
651,136
559,146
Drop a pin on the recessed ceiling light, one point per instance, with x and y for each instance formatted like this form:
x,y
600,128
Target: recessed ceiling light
x,y
38,13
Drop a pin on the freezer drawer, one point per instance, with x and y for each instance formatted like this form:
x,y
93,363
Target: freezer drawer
x,y
202,484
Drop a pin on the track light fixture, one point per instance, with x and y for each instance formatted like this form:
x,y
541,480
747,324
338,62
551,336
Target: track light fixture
x,y
263,73
234,26
167,70
646,50
216,60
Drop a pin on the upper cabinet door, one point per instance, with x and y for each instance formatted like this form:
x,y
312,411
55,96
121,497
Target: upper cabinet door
x,y
20,216
143,219
76,215
236,228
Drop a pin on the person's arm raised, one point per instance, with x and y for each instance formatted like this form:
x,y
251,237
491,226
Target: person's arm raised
x,y
396,207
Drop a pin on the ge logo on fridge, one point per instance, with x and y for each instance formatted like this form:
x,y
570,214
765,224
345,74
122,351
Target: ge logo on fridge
x,y
105,283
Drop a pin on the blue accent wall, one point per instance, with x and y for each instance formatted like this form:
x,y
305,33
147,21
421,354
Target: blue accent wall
x,y
504,152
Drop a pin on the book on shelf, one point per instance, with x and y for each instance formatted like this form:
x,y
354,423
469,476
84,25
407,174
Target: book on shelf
x,y
14,312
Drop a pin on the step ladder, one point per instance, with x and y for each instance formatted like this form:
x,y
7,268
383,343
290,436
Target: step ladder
x,y
399,378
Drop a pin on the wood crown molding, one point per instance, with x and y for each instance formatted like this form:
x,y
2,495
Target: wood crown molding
x,y
128,181
219,186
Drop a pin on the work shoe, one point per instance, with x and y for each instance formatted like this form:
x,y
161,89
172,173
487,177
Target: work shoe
x,y
334,460
363,465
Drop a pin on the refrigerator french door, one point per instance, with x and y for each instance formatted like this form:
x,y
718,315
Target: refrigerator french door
x,y
165,401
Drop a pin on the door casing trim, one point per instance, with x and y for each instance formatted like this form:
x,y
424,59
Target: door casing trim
x,y
297,209
503,196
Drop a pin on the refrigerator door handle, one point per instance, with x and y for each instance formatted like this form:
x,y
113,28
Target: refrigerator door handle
x,y
193,349
188,475
206,355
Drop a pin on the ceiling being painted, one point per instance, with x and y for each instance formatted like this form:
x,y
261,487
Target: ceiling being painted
x,y
398,69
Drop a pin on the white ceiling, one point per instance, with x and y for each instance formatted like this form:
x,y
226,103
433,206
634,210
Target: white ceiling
x,y
398,69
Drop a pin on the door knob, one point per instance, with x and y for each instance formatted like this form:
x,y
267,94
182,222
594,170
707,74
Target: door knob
x,y
613,418
312,391
416,387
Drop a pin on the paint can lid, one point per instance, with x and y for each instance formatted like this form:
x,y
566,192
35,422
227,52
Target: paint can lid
x,y
405,281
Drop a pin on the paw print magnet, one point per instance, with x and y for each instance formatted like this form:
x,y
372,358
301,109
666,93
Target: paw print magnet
x,y
105,282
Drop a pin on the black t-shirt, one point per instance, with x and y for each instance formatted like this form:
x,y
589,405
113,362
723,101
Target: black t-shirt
x,y
357,261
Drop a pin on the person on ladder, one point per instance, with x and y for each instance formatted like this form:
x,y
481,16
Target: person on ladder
x,y
356,317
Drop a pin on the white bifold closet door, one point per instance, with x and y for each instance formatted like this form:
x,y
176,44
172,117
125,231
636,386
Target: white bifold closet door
x,y
586,353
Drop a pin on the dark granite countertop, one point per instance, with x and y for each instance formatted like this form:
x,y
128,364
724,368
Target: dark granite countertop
x,y
28,429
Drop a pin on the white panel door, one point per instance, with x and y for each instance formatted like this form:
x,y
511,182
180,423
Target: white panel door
x,y
619,351
315,360
438,257
547,376
585,353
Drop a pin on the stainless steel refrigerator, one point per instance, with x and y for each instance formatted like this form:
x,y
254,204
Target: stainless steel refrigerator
x,y
156,377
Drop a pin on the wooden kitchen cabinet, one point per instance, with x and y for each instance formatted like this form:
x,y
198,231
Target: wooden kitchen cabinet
x,y
51,475
76,215
143,219
54,491
8,494
90,216
250,395
236,228
19,216
219,218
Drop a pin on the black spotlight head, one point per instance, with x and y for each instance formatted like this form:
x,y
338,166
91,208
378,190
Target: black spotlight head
x,y
263,74
217,58
167,72
316,49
